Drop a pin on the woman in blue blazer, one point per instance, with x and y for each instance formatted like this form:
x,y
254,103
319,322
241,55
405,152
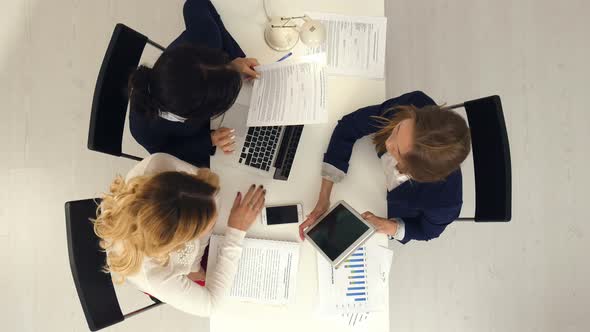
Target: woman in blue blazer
x,y
421,146
196,78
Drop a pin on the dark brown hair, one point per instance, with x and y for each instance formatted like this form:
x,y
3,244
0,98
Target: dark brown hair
x,y
194,82
441,141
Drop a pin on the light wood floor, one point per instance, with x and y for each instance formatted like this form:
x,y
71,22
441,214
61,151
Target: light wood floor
x,y
528,275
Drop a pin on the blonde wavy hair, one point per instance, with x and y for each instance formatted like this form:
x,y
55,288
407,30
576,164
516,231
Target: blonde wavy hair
x,y
442,140
152,216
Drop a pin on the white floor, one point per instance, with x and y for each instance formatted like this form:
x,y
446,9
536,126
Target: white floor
x,y
528,275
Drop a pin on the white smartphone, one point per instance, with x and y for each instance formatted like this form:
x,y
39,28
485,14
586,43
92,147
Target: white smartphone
x,y
282,214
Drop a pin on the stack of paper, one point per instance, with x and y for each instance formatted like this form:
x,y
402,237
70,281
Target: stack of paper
x,y
289,93
357,287
267,270
355,45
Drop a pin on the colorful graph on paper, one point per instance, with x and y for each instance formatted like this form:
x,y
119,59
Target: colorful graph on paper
x,y
347,289
355,287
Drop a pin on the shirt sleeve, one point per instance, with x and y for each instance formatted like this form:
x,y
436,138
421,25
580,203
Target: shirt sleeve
x,y
400,232
430,224
182,293
203,243
331,173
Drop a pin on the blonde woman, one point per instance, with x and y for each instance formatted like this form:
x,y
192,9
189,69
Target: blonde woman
x,y
155,225
421,147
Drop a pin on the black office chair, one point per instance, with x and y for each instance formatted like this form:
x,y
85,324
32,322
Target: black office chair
x,y
95,288
491,159
109,106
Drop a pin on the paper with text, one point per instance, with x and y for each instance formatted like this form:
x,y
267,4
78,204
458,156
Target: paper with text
x,y
267,271
289,93
355,45
358,285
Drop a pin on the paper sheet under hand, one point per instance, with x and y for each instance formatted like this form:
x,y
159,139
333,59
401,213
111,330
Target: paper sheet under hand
x,y
289,93
355,45
267,271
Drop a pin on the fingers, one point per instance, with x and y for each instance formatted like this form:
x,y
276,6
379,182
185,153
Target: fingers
x,y
224,138
250,72
308,222
229,149
223,131
248,197
301,229
258,206
226,141
237,201
222,135
252,62
367,214
258,196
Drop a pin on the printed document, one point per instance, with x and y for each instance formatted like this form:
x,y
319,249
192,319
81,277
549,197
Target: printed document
x,y
358,285
289,93
266,273
355,45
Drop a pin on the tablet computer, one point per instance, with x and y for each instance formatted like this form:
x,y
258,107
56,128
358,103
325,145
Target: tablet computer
x,y
339,232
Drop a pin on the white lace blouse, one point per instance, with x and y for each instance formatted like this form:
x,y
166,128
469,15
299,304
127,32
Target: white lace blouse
x,y
169,283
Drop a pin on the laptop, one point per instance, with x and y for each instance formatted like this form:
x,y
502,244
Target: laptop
x,y
266,151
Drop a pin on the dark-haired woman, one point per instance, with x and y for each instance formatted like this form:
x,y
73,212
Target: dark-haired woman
x,y
197,78
421,147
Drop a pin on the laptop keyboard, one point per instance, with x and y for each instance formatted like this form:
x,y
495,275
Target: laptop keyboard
x,y
260,146
287,151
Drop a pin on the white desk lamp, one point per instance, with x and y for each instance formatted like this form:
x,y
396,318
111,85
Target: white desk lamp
x,y
281,34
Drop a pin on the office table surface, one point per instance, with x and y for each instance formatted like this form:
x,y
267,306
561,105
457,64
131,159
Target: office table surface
x,y
363,188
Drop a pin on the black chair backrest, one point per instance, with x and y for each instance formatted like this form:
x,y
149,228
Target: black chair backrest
x,y
109,106
95,287
491,159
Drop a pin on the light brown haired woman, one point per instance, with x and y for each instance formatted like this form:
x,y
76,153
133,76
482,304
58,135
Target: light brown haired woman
x,y
420,146
155,225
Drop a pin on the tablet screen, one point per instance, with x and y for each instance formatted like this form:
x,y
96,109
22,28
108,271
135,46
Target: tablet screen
x,y
337,231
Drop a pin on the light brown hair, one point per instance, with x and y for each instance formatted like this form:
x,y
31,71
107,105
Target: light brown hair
x,y
441,141
151,216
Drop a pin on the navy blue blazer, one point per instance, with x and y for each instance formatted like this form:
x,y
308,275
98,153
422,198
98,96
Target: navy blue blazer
x,y
426,208
188,142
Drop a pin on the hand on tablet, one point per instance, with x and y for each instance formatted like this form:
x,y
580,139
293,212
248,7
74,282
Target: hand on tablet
x,y
320,208
223,138
382,225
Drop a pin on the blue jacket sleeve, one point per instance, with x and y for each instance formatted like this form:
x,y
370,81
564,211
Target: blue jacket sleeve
x,y
361,123
430,224
204,25
195,150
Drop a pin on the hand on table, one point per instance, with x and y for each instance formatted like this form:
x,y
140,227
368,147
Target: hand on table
x,y
320,208
224,139
245,66
382,225
246,208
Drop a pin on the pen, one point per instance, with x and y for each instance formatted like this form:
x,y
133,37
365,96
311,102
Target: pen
x,y
285,56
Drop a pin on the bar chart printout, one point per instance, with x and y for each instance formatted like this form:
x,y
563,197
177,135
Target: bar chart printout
x,y
348,288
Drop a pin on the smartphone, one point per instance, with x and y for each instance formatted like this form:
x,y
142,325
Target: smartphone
x,y
282,214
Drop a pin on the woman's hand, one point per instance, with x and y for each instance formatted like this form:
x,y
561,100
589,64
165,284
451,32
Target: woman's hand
x,y
245,66
197,276
246,208
224,139
382,225
320,208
